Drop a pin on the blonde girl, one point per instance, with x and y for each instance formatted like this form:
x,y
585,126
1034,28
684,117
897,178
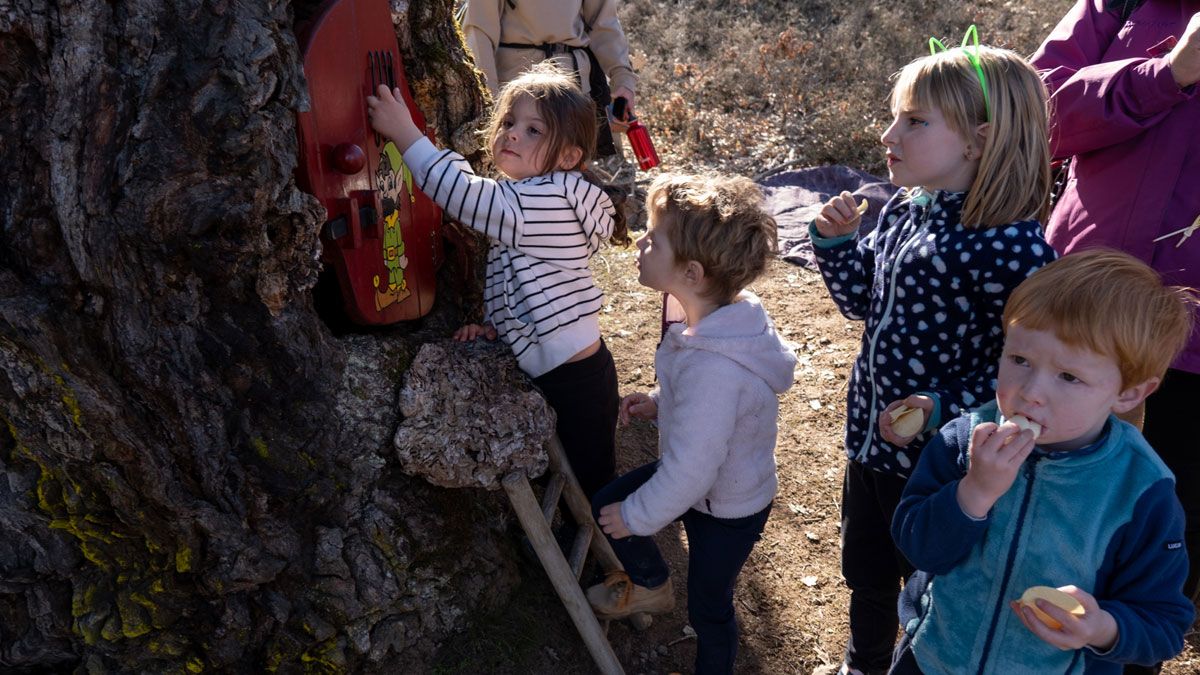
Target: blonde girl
x,y
545,221
968,149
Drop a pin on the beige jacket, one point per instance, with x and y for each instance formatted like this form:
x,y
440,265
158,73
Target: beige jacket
x,y
535,22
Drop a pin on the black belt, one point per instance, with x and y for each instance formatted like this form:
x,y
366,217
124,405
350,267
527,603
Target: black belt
x,y
549,49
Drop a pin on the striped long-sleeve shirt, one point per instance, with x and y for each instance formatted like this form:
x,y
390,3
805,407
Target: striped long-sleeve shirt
x,y
539,292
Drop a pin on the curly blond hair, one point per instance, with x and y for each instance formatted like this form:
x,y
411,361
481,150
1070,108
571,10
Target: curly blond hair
x,y
719,222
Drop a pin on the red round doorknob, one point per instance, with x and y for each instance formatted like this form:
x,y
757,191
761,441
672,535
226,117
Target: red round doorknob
x,y
348,158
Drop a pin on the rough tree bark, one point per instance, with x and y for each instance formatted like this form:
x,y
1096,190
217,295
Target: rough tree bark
x,y
196,474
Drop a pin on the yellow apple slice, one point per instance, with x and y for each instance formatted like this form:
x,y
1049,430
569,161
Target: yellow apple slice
x,y
1053,596
907,421
1024,423
862,208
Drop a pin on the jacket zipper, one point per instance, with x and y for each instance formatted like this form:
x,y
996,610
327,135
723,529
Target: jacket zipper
x,y
883,320
1030,472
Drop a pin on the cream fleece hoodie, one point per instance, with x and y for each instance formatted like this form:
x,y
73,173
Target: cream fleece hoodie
x,y
719,383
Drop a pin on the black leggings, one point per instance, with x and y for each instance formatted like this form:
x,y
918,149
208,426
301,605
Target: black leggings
x,y
871,565
1169,412
584,397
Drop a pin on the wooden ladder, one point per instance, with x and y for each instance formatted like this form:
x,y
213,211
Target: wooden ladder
x,y
564,573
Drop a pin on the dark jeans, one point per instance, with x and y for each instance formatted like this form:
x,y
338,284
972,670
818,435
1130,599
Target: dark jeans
x,y
872,565
584,397
717,549
1169,412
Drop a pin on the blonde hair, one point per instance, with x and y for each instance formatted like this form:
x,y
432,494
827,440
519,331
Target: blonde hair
x,y
1012,182
719,222
1110,303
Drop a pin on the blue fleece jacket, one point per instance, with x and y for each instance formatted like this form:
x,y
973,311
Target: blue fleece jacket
x,y
932,293
1104,518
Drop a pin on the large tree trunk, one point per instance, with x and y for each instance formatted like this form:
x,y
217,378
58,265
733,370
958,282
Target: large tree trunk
x,y
196,473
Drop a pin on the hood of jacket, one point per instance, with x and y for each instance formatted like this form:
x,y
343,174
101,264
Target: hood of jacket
x,y
743,333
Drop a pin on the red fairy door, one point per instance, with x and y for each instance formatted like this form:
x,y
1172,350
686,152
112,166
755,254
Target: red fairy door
x,y
382,235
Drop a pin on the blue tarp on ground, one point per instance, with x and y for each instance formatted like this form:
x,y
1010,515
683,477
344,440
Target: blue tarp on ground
x,y
795,197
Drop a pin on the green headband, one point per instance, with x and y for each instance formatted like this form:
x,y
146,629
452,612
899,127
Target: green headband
x,y
972,53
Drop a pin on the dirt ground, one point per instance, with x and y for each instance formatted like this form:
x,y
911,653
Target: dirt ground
x,y
790,600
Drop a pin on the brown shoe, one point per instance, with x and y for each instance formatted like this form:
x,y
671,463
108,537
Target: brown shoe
x,y
618,597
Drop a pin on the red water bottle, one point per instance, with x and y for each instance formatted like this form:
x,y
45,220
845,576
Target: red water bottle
x,y
643,147
639,136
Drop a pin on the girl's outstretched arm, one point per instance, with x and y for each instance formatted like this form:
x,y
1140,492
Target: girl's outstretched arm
x,y
559,219
496,212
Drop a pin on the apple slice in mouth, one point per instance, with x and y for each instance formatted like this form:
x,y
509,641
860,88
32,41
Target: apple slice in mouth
x,y
1025,423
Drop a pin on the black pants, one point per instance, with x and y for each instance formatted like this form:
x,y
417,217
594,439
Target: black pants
x,y
584,397
1169,411
872,565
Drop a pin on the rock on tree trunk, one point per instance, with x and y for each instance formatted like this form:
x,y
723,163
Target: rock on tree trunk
x,y
197,475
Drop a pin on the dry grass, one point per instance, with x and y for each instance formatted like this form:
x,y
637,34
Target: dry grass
x,y
748,85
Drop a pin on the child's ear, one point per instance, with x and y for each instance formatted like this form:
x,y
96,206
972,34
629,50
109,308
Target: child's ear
x,y
1130,398
570,158
978,141
693,271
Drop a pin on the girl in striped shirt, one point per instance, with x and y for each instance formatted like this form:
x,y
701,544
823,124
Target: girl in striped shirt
x,y
544,222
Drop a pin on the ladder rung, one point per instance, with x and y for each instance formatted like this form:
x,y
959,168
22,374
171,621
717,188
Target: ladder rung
x,y
579,550
553,493
516,485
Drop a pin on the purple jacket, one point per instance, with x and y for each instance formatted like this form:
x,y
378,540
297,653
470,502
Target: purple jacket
x,y
1135,137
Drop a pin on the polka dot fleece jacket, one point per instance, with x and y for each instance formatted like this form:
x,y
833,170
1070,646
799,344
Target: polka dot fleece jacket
x,y
932,293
